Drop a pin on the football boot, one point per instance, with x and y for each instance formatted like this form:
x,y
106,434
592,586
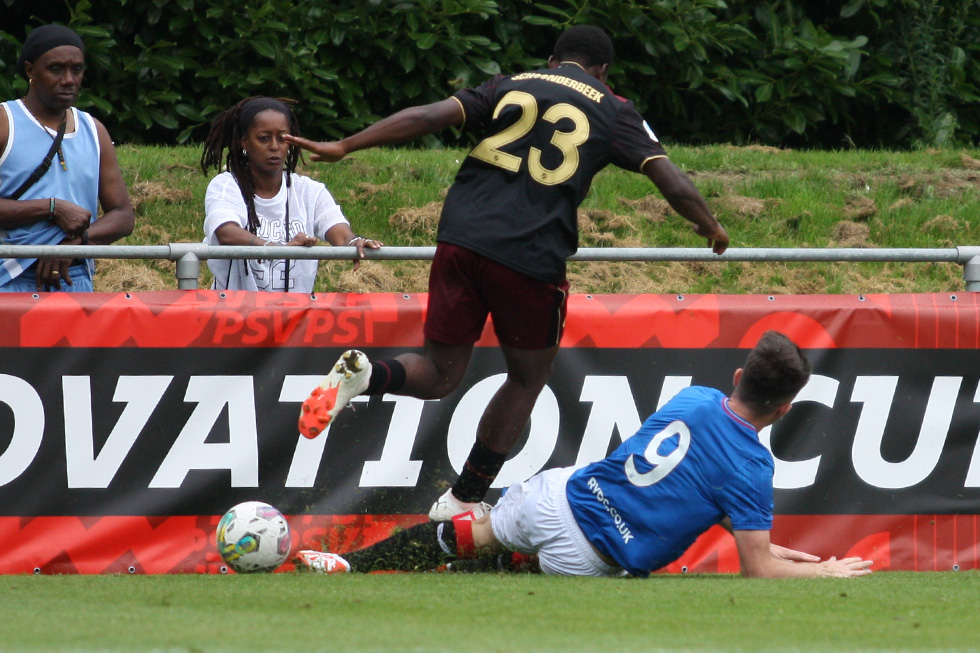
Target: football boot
x,y
348,378
321,562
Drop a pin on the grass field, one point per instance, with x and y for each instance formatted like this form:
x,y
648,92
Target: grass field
x,y
489,612
765,197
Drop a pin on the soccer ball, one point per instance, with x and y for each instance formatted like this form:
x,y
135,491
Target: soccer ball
x,y
253,536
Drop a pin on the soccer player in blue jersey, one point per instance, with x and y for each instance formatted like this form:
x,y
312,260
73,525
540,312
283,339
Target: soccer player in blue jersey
x,y
695,463
508,225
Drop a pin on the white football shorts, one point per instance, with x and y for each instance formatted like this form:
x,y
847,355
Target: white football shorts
x,y
533,517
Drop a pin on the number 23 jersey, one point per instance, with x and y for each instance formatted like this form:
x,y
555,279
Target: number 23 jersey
x,y
691,464
545,135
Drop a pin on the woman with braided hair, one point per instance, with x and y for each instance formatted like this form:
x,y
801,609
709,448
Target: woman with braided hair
x,y
259,199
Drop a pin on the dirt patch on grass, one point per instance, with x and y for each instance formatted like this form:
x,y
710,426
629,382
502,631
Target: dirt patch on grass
x,y
778,278
767,149
633,277
148,192
737,206
910,186
365,190
614,278
969,162
144,192
119,275
596,227
954,182
859,207
851,234
651,208
944,224
377,276
417,223
728,180
148,233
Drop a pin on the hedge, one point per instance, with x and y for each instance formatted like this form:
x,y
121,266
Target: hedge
x,y
871,73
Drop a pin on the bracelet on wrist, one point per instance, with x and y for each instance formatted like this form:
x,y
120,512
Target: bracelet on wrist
x,y
51,207
355,239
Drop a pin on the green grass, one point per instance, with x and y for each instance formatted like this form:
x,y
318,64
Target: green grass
x,y
765,198
483,612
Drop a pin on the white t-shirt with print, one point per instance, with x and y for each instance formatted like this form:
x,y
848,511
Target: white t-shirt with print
x,y
312,210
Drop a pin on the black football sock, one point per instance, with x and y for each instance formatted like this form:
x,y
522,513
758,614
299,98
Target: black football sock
x,y
482,466
386,376
419,548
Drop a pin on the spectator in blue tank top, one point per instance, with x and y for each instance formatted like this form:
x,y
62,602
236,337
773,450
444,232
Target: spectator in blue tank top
x,y
61,206
694,463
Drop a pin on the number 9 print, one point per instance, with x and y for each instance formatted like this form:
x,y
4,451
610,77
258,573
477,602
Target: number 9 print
x,y
663,465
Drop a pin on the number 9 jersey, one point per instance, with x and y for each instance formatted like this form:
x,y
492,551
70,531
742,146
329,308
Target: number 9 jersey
x,y
545,135
691,464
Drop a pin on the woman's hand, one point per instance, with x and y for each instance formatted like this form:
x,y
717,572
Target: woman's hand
x,y
302,240
361,242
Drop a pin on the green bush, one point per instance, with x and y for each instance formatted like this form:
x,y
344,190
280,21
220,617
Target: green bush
x,y
872,73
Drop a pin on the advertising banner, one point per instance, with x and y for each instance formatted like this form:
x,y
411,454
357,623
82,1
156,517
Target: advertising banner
x,y
130,422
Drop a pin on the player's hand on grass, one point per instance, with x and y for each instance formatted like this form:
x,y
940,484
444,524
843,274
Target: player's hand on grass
x,y
319,150
783,553
846,567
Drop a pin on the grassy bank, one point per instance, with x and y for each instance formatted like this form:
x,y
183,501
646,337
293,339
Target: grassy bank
x,y
765,197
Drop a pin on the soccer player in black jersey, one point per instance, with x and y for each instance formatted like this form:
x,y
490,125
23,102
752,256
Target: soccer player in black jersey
x,y
508,225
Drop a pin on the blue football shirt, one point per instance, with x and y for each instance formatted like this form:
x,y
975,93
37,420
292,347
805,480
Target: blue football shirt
x,y
691,464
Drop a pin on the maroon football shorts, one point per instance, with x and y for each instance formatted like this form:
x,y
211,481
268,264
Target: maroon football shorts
x,y
465,287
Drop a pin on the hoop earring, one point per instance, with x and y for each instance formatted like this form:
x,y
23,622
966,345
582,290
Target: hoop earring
x,y
244,152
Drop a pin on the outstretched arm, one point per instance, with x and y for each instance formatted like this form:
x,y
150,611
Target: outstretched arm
x,y
684,198
776,550
759,559
400,127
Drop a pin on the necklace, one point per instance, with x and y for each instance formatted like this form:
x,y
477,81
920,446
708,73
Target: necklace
x,y
62,126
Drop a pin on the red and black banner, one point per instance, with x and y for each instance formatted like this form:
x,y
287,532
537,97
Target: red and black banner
x,y
130,422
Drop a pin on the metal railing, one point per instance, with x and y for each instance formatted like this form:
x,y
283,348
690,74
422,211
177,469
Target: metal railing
x,y
188,256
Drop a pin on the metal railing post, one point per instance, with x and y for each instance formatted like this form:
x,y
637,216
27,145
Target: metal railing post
x,y
187,257
188,271
969,258
971,274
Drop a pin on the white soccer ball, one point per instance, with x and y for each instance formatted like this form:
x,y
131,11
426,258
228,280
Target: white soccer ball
x,y
253,536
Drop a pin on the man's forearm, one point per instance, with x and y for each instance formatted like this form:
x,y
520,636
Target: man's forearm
x,y
692,208
113,225
20,213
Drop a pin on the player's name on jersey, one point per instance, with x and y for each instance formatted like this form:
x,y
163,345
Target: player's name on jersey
x,y
586,90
